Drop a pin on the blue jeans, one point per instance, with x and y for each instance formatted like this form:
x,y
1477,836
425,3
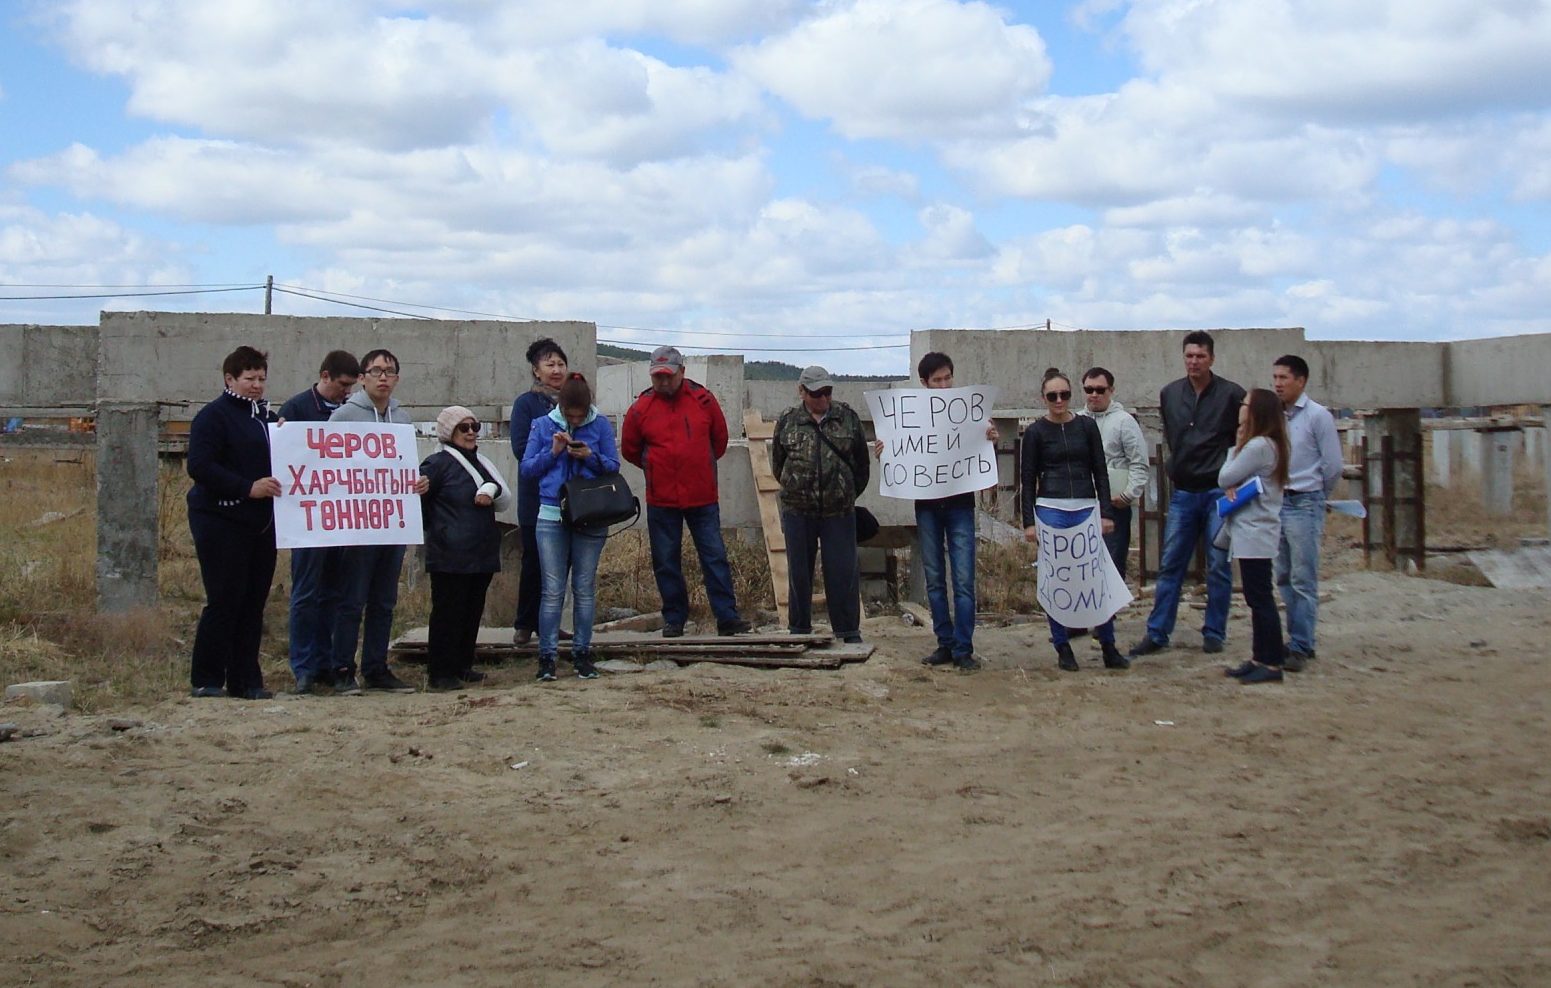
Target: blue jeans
x,y
314,599
1297,566
665,526
369,585
566,552
1191,513
955,526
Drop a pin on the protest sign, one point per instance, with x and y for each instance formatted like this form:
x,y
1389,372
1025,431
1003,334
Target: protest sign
x,y
934,440
345,483
1077,583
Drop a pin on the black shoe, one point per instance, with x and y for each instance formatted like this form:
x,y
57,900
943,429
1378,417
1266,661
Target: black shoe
x,y
673,631
546,673
257,693
852,639
206,692
736,626
1112,657
1241,670
1262,674
584,667
521,636
444,684
966,663
1065,660
471,676
386,682
943,656
345,684
1146,647
565,635
1296,662
1211,646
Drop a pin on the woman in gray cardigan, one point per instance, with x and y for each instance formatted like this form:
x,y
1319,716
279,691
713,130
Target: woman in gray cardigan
x,y
1254,529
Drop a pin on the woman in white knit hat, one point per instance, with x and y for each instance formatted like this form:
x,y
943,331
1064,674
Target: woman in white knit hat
x,y
462,544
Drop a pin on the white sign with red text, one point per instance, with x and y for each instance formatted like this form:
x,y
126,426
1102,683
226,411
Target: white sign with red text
x,y
345,483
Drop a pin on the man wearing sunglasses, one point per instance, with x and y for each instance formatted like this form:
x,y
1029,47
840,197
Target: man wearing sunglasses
x,y
819,454
1125,453
1200,421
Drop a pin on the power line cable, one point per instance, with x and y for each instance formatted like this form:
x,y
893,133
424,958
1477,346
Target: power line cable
x,y
191,291
190,284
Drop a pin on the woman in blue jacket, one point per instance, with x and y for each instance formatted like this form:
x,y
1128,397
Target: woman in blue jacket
x,y
231,515
550,368
573,440
462,544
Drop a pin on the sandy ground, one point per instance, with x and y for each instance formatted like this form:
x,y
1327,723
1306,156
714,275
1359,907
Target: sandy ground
x,y
1383,819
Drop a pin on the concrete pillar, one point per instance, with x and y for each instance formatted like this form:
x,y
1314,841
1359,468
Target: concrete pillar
x,y
1394,529
723,377
1545,439
127,503
1470,455
915,581
1440,455
1497,470
1534,447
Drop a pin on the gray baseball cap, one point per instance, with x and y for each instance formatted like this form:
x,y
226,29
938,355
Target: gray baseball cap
x,y
666,360
815,378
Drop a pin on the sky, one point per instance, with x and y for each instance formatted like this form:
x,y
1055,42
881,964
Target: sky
x,y
798,181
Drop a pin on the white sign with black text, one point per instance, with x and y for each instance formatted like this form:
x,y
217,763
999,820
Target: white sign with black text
x,y
934,440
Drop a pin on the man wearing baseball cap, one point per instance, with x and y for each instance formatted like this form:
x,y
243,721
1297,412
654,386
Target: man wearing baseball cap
x,y
675,432
819,454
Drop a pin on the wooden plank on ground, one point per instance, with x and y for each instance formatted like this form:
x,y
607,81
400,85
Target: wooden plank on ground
x,y
766,490
1525,568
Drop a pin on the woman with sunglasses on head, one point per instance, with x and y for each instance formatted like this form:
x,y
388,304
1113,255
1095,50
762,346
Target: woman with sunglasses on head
x,y
1063,459
1254,529
462,544
573,440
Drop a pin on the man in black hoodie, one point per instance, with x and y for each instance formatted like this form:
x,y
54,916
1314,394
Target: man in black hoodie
x,y
1200,419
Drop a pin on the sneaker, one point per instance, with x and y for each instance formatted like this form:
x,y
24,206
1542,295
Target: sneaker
x,y
1262,674
444,684
737,626
1296,661
471,676
943,656
584,667
206,692
1211,646
1065,660
386,682
345,684
306,684
1112,657
1241,670
546,672
966,663
1146,647
673,631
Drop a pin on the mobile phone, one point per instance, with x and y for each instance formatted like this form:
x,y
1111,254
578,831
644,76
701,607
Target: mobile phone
x,y
575,445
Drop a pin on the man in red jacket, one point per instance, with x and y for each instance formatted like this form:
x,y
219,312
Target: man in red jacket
x,y
675,433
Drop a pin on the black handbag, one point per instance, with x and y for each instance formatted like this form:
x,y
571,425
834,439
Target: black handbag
x,y
598,502
866,522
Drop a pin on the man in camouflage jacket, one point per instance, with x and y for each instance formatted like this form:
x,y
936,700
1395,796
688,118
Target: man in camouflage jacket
x,y
819,454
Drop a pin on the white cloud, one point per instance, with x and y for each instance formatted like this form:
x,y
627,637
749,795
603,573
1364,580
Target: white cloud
x,y
908,69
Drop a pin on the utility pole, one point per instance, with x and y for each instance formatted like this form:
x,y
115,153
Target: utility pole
x,y
269,294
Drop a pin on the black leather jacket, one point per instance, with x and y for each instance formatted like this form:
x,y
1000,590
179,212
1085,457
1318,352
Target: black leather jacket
x,y
1064,459
1199,429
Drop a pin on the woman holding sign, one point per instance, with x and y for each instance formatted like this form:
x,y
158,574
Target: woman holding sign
x,y
1253,525
231,515
1065,491
462,544
573,440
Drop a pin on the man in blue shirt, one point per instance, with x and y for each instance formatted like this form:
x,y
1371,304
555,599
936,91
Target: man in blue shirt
x,y
1314,471
315,572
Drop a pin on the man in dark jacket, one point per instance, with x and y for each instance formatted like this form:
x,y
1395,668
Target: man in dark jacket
x,y
675,432
1200,418
819,454
315,572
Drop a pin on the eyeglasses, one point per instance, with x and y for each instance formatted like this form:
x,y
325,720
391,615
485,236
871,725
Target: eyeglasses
x,y
466,427
1090,390
1058,396
377,373
821,392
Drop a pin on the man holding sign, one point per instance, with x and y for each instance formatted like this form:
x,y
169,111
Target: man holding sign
x,y
370,573
945,525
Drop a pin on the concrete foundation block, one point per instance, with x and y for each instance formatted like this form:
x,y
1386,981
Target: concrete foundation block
x,y
55,692
127,519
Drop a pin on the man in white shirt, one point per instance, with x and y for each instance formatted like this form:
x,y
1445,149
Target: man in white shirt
x,y
1125,453
1313,475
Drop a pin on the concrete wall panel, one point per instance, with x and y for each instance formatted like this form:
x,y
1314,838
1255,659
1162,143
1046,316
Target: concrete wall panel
x,y
47,366
1505,370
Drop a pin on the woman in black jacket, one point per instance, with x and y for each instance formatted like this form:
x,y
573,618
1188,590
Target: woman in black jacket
x,y
462,544
232,518
1063,458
